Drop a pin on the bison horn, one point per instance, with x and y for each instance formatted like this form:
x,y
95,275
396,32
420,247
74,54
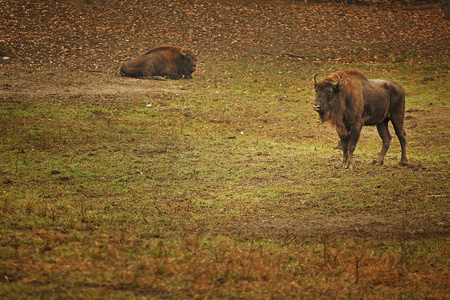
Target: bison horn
x,y
339,80
182,52
315,80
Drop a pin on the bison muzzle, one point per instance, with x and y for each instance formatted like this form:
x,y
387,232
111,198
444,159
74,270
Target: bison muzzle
x,y
349,100
167,61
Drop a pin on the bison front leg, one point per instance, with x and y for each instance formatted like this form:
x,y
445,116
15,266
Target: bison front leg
x,y
174,76
344,145
351,146
172,73
149,74
349,137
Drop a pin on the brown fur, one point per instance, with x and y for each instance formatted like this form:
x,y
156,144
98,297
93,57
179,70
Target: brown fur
x,y
349,101
167,61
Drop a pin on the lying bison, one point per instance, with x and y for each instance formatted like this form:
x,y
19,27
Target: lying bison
x,y
349,101
167,61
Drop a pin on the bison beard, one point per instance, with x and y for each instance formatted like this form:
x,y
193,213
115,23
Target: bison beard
x,y
349,101
167,61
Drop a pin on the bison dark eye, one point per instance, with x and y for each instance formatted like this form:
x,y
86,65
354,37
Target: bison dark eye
x,y
330,93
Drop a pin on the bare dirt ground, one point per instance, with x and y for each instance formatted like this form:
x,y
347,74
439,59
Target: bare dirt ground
x,y
99,35
71,50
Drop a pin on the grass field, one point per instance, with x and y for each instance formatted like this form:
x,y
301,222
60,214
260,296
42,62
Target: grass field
x,y
225,186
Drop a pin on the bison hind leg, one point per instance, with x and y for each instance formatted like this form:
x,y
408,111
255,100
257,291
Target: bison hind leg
x,y
401,134
386,137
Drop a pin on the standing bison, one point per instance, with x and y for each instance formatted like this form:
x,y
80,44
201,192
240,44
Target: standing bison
x,y
349,101
167,61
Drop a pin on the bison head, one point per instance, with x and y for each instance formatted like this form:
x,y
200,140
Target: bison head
x,y
326,90
189,60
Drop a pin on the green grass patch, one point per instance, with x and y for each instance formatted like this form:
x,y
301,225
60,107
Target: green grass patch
x,y
229,189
